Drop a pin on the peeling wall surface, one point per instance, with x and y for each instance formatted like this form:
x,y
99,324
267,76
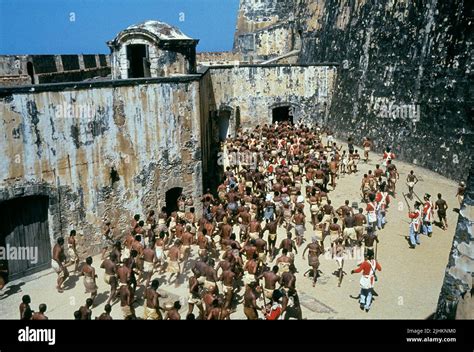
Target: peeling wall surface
x,y
255,90
405,68
68,143
456,300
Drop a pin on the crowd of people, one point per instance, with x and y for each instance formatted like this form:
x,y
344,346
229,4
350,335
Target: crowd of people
x,y
232,255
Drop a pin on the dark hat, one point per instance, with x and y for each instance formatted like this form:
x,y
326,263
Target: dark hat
x,y
370,253
427,195
417,204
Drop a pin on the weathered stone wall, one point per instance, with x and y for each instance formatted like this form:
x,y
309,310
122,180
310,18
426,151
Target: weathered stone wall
x,y
104,149
456,300
274,41
218,58
258,14
404,75
51,68
255,90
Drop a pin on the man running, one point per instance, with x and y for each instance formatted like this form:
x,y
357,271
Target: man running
x,y
441,206
368,269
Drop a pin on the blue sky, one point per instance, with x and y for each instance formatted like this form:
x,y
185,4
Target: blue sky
x,y
45,26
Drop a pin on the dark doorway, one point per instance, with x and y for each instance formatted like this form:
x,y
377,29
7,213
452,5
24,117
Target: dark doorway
x,y
282,114
25,225
31,72
171,199
137,56
224,118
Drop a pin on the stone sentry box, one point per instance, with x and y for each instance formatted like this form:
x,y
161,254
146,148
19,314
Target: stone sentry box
x,y
152,49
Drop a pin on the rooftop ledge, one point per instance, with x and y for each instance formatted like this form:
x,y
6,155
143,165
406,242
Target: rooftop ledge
x,y
55,87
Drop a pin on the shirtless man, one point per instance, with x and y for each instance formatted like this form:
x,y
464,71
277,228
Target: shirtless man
x,y
106,238
134,221
272,227
369,239
329,213
251,267
285,262
126,300
173,313
319,178
160,243
392,175
299,221
250,301
227,277
314,208
254,229
365,187
203,244
152,303
194,294
58,264
106,314
339,251
366,144
86,311
72,250
441,206
245,218
261,246
360,222
187,240
210,282
226,231
290,297
271,278
350,233
149,258
335,232
110,276
88,271
24,305
412,180
314,251
124,275
40,315
249,249
174,266
288,244
378,172
460,192
333,168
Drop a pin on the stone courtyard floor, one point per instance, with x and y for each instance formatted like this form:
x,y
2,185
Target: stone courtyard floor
x,y
408,285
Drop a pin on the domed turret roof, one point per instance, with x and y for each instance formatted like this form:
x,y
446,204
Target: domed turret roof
x,y
154,29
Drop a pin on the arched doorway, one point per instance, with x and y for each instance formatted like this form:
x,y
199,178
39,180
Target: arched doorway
x,y
224,119
282,114
171,199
